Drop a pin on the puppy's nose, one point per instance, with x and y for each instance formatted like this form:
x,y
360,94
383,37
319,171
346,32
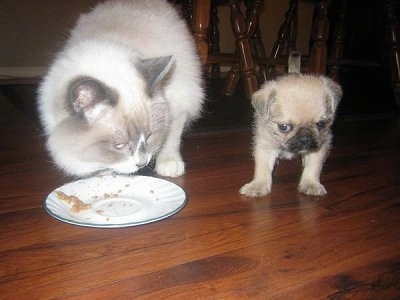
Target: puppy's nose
x,y
304,135
304,140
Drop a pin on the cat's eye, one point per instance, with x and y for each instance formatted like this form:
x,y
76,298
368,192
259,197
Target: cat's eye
x,y
285,127
321,124
120,146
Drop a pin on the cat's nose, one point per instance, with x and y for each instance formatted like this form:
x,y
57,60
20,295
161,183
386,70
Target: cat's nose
x,y
140,155
142,160
141,164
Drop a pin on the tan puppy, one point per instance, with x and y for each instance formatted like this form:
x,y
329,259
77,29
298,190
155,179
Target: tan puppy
x,y
293,117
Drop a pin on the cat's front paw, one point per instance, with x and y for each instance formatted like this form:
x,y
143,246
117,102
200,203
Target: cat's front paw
x,y
170,167
312,188
255,189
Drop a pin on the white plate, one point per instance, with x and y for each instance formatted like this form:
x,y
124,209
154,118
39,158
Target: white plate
x,y
112,201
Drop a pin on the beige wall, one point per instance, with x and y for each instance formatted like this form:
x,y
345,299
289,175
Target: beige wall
x,y
32,31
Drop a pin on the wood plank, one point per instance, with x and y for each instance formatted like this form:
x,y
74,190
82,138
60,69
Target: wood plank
x,y
221,245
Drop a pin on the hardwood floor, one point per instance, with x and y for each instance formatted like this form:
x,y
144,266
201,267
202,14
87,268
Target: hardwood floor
x,y
222,245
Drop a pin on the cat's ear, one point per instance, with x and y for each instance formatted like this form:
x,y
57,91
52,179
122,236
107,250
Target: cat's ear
x,y
89,97
155,71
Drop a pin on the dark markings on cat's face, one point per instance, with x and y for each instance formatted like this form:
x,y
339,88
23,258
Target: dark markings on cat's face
x,y
86,93
122,141
142,132
107,134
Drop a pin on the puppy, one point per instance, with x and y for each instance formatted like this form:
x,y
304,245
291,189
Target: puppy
x,y
293,117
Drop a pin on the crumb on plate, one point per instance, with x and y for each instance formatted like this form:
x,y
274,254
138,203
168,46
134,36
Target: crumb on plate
x,y
77,204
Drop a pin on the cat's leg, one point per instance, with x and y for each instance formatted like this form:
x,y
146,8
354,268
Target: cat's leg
x,y
169,161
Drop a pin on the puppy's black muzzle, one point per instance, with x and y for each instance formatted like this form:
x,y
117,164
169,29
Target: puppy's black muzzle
x,y
303,141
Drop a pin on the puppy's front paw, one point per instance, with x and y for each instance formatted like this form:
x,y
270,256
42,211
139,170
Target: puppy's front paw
x,y
312,188
170,167
255,189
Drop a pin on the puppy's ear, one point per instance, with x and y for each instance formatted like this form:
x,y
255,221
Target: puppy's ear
x,y
89,98
334,93
263,98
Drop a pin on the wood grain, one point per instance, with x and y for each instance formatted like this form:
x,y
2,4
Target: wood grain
x,y
221,245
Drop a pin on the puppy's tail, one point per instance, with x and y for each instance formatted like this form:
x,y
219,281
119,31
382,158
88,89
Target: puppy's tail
x,y
294,62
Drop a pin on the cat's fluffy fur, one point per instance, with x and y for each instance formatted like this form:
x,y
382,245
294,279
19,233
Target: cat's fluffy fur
x,y
122,89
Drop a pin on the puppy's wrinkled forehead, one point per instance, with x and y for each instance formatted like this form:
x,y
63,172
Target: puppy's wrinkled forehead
x,y
300,100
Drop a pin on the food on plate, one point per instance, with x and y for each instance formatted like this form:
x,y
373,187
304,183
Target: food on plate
x,y
77,204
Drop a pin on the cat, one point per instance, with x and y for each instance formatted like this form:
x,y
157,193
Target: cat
x,y
122,90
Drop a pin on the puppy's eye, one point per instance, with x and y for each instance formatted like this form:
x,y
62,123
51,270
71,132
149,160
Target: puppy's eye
x,y
321,125
285,127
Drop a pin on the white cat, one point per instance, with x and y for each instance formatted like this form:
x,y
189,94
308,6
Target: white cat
x,y
122,90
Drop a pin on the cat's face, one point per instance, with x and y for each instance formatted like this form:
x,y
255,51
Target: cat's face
x,y
105,132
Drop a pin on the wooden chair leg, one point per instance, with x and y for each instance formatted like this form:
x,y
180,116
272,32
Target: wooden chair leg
x,y
231,80
201,21
284,34
257,48
256,43
338,38
292,38
214,40
320,34
393,45
242,29
187,11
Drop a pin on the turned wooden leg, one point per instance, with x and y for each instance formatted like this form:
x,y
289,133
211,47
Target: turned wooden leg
x,y
187,11
231,80
257,45
286,31
214,39
201,23
242,30
338,38
319,37
393,45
